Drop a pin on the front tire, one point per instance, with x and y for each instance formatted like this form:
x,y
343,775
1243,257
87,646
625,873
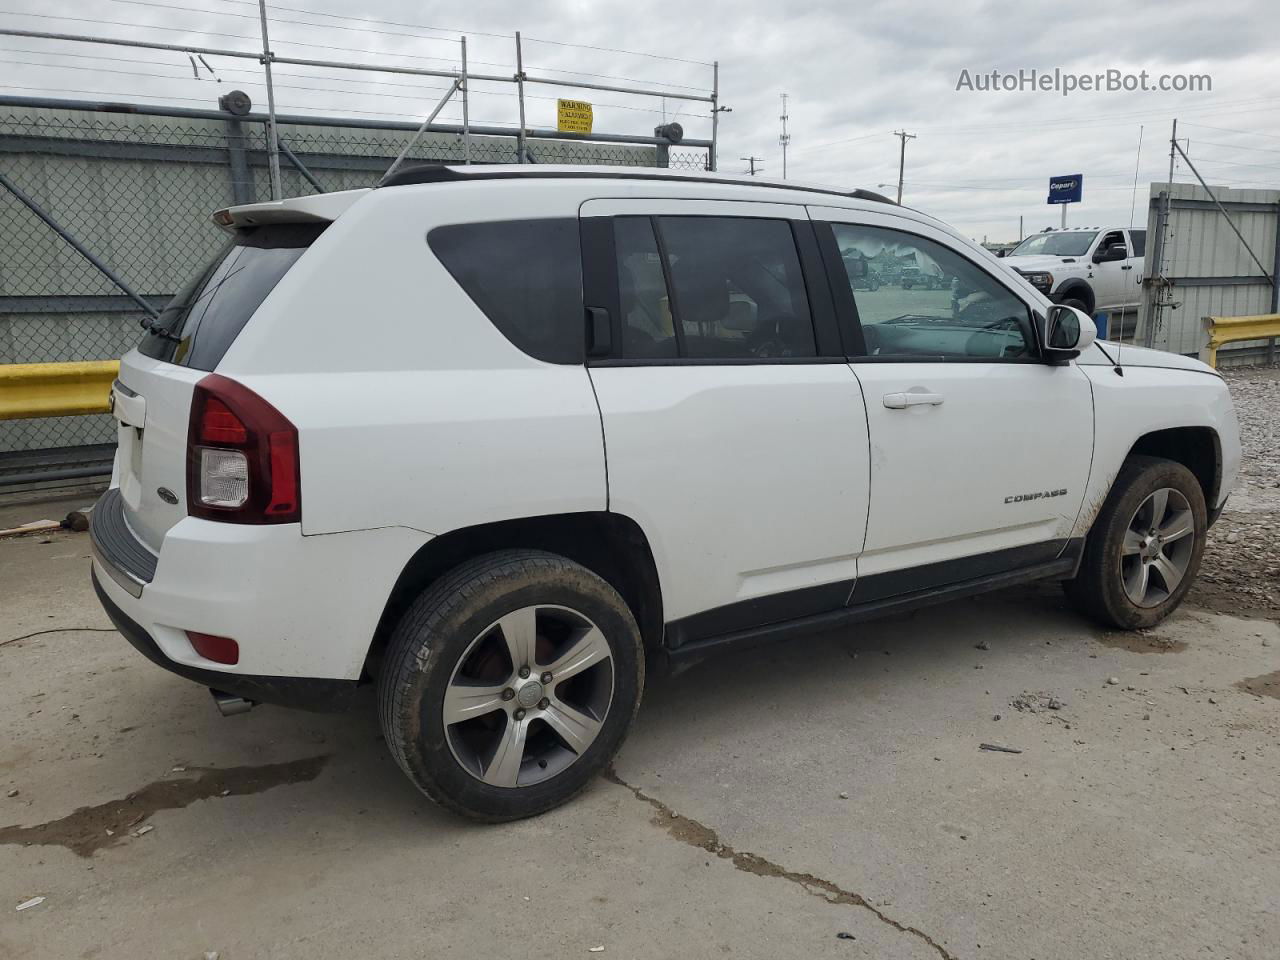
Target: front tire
x,y
1145,547
510,683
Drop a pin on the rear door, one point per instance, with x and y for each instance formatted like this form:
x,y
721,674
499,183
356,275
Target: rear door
x,y
151,399
979,451
735,433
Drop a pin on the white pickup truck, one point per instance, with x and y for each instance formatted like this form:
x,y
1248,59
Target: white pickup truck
x,y
1093,269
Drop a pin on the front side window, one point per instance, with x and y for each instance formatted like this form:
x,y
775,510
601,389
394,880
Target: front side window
x,y
526,276
933,303
711,288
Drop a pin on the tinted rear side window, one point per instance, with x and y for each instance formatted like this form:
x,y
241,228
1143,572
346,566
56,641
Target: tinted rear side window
x,y
1139,238
199,324
526,275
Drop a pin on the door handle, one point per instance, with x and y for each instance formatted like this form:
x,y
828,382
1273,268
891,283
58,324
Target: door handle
x,y
900,401
1127,266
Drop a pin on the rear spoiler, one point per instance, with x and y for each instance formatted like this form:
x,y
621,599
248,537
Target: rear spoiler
x,y
321,208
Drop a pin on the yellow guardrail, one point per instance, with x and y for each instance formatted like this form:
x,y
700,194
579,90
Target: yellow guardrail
x,y
1220,330
56,389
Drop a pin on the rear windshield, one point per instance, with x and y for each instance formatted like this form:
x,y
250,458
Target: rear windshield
x,y
203,319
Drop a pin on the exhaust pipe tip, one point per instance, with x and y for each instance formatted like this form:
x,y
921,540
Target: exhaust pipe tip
x,y
229,704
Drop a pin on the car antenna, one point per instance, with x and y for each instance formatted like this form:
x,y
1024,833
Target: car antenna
x,y
1133,206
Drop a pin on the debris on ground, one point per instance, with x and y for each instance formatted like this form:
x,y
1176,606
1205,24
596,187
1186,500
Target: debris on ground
x,y
77,520
1113,681
842,935
1029,702
33,902
1240,571
143,831
843,795
982,645
12,793
997,748
599,949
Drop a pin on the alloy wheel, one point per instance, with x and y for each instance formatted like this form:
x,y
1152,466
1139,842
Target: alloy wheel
x,y
528,696
1159,543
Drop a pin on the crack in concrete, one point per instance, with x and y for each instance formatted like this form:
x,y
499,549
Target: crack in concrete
x,y
699,835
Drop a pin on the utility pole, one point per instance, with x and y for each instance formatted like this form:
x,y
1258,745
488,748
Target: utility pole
x,y
785,137
753,161
903,136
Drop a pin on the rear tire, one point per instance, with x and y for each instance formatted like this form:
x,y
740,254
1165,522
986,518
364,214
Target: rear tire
x,y
1129,578
467,682
1078,304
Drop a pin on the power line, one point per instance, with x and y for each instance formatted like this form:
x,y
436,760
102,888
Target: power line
x,y
479,33
1232,146
1247,133
753,168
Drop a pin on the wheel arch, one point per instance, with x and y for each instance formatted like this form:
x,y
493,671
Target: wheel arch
x,y
611,545
1077,289
1199,449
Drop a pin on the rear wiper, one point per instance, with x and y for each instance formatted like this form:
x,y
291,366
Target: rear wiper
x,y
150,325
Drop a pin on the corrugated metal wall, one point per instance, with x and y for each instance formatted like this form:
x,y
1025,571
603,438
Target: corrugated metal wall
x,y
1208,270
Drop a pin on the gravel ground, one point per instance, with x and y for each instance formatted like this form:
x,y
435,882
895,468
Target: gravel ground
x,y
1240,574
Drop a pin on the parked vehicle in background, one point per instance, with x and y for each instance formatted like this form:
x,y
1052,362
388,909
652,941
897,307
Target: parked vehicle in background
x,y
861,275
1090,268
914,277
494,438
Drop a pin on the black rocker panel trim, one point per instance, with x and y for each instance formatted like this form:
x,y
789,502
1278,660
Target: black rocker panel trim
x,y
831,605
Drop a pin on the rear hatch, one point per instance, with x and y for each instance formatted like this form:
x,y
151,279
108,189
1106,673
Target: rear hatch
x,y
151,399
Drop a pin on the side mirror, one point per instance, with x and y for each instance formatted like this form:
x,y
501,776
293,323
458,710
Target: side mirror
x,y
1066,332
1111,254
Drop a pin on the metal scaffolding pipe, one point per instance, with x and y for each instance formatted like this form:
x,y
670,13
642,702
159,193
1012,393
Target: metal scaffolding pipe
x,y
273,136
195,113
76,245
346,65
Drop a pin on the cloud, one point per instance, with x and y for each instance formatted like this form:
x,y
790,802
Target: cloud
x,y
853,72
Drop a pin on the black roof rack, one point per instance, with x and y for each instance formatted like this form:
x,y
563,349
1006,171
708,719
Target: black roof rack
x,y
439,173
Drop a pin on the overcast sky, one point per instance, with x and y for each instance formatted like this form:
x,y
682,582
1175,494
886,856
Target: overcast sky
x,y
854,73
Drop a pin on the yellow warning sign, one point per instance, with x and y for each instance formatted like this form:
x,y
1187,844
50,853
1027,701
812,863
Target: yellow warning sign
x,y
573,116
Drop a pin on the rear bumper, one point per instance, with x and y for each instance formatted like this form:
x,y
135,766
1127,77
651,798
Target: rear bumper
x,y
299,607
305,693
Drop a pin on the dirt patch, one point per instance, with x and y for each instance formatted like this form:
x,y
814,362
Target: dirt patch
x,y
90,829
1138,641
1267,685
696,834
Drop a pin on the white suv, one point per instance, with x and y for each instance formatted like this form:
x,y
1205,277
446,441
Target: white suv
x,y
1090,268
491,438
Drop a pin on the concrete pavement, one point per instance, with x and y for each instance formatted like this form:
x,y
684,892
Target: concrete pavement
x,y
766,803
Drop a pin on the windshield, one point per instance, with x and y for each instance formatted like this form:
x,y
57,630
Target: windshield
x,y
1074,244
202,320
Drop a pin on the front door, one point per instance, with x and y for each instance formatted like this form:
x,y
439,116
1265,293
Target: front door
x,y
979,452
734,430
1112,279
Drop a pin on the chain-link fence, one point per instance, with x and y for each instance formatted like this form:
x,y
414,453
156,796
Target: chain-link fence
x,y
137,191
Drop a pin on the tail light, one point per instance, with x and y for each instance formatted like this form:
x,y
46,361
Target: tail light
x,y
242,457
